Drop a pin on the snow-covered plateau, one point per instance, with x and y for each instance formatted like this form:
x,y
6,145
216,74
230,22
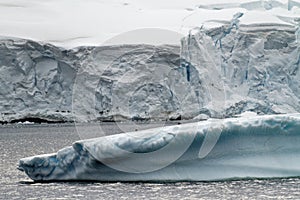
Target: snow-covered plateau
x,y
256,146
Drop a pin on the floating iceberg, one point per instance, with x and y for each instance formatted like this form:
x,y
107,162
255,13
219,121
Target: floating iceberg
x,y
216,149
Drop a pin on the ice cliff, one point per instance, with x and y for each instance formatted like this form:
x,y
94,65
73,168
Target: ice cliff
x,y
254,67
219,72
41,81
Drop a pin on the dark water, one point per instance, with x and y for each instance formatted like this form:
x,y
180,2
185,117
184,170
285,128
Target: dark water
x,y
17,141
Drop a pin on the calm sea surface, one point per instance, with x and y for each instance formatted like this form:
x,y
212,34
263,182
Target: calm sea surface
x,y
18,141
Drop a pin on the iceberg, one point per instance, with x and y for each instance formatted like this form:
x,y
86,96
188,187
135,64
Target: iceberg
x,y
216,149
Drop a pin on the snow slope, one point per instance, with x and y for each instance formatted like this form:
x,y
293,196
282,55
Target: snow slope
x,y
72,23
261,146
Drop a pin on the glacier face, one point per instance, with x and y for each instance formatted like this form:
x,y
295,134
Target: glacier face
x,y
36,81
256,146
217,72
257,67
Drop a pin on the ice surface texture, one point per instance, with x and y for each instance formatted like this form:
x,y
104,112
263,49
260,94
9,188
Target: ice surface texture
x,y
261,146
217,72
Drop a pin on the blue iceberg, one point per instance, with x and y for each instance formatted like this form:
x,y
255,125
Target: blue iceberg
x,y
217,149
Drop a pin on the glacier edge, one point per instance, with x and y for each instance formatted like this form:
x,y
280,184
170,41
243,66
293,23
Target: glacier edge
x,y
255,69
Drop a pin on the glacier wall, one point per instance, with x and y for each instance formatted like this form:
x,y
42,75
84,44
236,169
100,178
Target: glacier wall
x,y
233,148
217,72
44,82
251,68
36,81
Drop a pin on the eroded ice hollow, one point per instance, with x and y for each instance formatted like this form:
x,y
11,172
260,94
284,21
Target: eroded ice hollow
x,y
246,147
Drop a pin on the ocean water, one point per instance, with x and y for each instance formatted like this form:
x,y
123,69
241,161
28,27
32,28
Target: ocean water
x,y
18,141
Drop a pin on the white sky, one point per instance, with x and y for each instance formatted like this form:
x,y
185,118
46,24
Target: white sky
x,y
72,23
